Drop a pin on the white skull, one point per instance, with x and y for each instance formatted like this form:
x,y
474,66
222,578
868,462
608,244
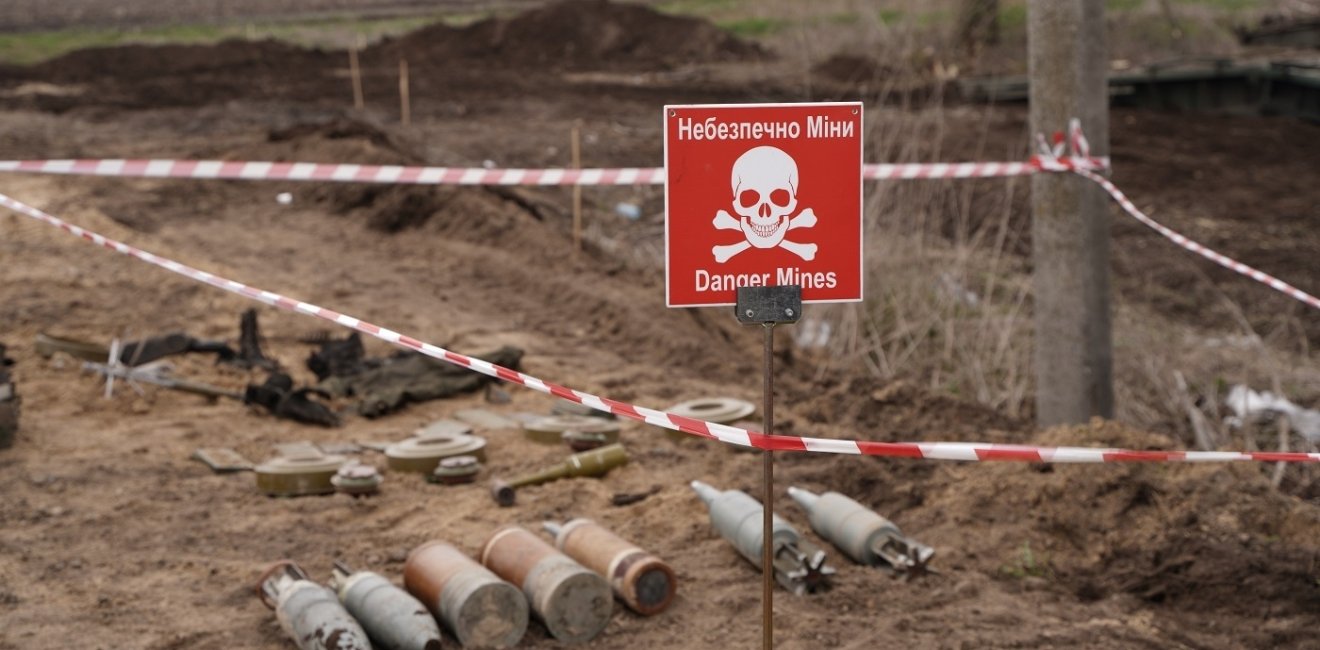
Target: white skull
x,y
765,181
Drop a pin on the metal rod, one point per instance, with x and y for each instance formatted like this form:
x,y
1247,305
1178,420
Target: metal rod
x,y
576,148
768,489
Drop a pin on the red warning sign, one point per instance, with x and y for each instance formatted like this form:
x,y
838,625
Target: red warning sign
x,y
763,195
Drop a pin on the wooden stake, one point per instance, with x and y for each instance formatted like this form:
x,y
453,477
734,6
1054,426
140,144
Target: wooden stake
x,y
405,102
577,191
1285,427
356,73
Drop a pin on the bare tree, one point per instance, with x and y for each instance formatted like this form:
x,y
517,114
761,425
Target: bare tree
x,y
978,24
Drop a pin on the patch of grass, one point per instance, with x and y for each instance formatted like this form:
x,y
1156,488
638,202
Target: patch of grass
x,y
753,27
934,18
697,7
891,16
1025,564
1124,5
844,18
1225,5
1013,17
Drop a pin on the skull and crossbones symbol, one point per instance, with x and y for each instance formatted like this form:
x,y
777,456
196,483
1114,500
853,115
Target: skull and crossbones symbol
x,y
765,184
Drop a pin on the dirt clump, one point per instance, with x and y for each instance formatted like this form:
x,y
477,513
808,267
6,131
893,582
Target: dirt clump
x,y
578,35
1199,539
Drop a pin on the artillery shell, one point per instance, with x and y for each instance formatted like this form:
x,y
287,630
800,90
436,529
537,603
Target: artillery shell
x,y
573,603
309,613
644,582
393,619
474,604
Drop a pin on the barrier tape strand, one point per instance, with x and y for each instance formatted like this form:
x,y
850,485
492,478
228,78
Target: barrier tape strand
x,y
927,450
349,173
1194,247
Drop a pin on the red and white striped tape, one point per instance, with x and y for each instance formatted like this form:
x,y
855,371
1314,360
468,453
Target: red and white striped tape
x,y
345,173
929,450
1181,240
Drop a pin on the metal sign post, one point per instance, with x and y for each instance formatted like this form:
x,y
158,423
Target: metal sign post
x,y
763,211
767,307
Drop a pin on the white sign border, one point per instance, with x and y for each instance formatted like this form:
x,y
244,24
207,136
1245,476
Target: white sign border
x,y
861,195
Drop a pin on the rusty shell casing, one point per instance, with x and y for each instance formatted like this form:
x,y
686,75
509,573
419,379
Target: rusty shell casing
x,y
393,619
644,582
573,603
312,616
478,608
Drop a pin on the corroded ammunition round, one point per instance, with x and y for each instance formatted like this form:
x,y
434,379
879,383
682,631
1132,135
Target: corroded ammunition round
x,y
474,604
393,619
797,564
860,533
644,582
737,517
596,462
309,613
574,603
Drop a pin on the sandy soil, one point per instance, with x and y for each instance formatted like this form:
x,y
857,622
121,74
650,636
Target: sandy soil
x,y
110,537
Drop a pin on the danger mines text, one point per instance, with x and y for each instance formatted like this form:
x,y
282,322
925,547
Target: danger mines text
x,y
707,281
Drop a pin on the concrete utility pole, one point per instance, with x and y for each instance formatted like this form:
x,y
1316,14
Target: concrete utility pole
x,y
1070,218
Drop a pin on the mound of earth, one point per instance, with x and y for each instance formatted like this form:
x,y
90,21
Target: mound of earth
x,y
146,61
577,35
1190,542
150,76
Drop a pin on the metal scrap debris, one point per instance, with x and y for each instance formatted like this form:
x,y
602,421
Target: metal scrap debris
x,y
278,396
222,460
9,402
158,375
1251,406
387,386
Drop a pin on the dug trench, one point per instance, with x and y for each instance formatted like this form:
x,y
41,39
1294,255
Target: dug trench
x,y
110,536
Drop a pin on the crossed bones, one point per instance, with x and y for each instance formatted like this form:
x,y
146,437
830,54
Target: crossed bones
x,y
725,221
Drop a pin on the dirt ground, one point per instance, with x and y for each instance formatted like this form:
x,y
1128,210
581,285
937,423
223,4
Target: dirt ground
x,y
17,15
111,537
